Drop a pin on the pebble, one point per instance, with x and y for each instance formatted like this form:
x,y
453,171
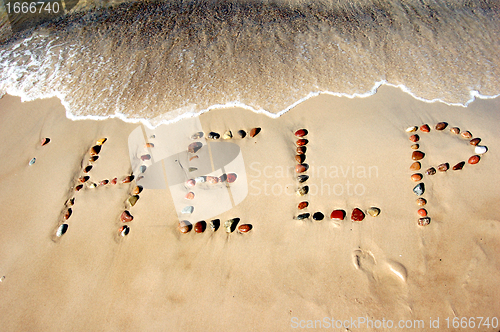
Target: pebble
x,y
114,181
475,141
227,135
244,228
301,149
184,226
189,195
301,142
214,224
143,169
479,149
302,178
443,167
414,138
213,179
200,226
430,171
126,216
45,141
61,230
146,157
101,141
419,189
301,133
193,157
68,213
300,158
254,132
83,179
70,202
416,177
303,190
411,129
302,216
128,179
417,155
455,130
415,146
473,160
415,166
421,201
93,159
200,179
137,190
133,199
94,151
373,211
223,178
32,161
149,145
301,168
197,135
152,136
357,215
187,209
466,134
425,128
79,187
231,177
213,135
318,216
441,126
424,221
103,182
87,169
194,147
228,224
92,185
242,133
302,205
337,215
422,212
124,230
459,166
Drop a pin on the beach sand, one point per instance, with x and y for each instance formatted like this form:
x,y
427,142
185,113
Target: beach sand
x,y
284,272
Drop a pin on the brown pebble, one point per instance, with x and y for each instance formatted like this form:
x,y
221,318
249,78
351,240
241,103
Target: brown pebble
x,y
83,179
145,157
93,159
443,167
415,166
68,213
103,182
45,141
245,228
301,149
254,132
189,195
441,125
417,155
414,138
137,190
416,177
87,169
430,171
300,158
455,130
415,146
301,133
466,134
200,226
194,147
425,128
421,201
475,141
126,216
70,202
300,168
128,179
150,145
79,187
302,205
474,160
114,181
459,166
94,151
184,226
302,142
424,221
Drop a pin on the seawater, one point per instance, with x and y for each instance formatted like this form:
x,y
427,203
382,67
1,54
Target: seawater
x,y
160,61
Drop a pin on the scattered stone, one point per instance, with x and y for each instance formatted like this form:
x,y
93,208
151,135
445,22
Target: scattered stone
x,y
187,210
254,132
318,216
128,179
474,160
133,199
244,228
87,169
114,181
223,178
200,226
302,216
242,133
414,138
301,133
32,161
411,129
302,178
68,214
430,171
146,157
227,135
92,185
479,149
231,177
190,183
150,145
61,230
184,226
70,202
213,135
194,147
425,128
373,211
419,189
101,141
455,130
143,169
93,159
441,126
214,224
357,215
443,167
137,190
126,216
213,179
459,166
415,146
303,190
301,149
45,141
300,158
152,136
421,201
201,179
415,166
475,141
466,134
124,230
422,212
303,205
301,142
301,168
94,151
337,215
103,182
189,195
197,135
79,187
417,155
193,157
83,179
416,177
424,221
228,224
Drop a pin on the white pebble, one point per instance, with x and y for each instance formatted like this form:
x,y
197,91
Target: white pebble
x,y
479,149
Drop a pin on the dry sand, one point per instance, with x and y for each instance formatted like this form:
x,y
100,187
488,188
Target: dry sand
x,y
386,267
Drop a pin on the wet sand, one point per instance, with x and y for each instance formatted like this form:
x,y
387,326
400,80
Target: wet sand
x,y
385,267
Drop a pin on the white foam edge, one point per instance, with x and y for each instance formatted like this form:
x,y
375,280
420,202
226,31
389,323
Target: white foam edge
x,y
474,94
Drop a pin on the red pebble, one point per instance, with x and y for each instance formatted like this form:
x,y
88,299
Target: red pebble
x,y
357,215
425,128
114,181
338,214
126,216
302,142
231,177
199,227
244,228
474,160
414,138
301,133
300,168
422,212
